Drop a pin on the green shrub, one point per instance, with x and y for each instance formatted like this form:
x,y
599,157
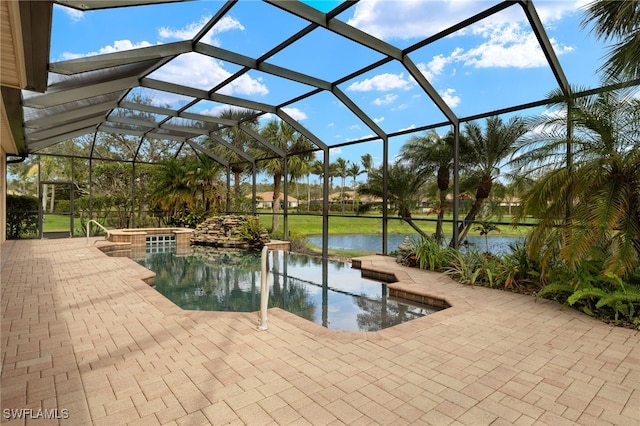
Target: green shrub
x,y
62,206
298,241
475,268
520,271
430,254
599,294
252,230
22,216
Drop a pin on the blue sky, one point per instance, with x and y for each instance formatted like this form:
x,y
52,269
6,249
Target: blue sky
x,y
494,64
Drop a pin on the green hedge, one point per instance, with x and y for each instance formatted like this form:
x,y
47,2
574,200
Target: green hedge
x,y
22,216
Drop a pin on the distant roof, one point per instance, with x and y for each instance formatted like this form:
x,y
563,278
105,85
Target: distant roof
x,y
268,197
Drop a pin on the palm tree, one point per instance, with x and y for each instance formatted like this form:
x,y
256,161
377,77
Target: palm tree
x,y
285,137
600,189
341,166
241,140
431,152
489,149
403,187
188,184
317,168
354,171
617,21
174,190
367,163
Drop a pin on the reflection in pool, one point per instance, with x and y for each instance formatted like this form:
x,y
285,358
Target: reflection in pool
x,y
326,292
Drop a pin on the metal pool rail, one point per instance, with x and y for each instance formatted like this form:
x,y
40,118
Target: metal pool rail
x,y
264,288
106,237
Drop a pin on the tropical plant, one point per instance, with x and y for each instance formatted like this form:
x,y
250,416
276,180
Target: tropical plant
x,y
520,271
620,301
485,227
474,268
252,230
367,163
403,185
354,171
606,296
299,155
188,189
431,152
430,254
490,148
617,21
239,140
341,166
594,200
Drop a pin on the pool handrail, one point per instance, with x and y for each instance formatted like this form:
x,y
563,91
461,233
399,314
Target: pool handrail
x,y
107,234
264,288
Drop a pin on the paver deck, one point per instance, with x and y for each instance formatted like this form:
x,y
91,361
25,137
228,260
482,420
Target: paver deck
x,y
85,339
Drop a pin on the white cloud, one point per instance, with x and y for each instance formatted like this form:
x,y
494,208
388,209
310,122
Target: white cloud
x,y
449,97
508,45
506,39
265,118
354,127
295,113
227,23
117,46
505,45
192,69
410,18
74,14
411,127
385,100
378,119
202,72
407,19
367,136
436,66
381,83
331,124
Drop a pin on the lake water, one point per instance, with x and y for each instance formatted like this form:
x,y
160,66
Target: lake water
x,y
373,242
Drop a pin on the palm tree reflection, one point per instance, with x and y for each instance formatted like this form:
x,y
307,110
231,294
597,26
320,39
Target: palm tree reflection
x,y
226,280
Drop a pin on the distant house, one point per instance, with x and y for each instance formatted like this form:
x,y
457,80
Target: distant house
x,y
348,197
264,200
510,203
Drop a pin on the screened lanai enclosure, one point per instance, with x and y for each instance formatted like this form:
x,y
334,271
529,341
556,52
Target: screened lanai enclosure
x,y
225,71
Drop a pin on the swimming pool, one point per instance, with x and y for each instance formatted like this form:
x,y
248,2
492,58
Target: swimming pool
x,y
326,292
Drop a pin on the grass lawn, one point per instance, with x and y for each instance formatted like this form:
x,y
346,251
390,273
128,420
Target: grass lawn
x,y
56,222
312,225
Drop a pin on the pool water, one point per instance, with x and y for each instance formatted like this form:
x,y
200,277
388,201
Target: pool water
x,y
326,292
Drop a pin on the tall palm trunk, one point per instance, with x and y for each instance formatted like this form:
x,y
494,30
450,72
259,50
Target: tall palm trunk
x,y
405,214
275,219
308,192
52,200
236,187
443,186
45,194
482,193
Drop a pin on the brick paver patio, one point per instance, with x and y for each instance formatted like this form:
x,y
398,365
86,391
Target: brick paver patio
x,y
84,335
